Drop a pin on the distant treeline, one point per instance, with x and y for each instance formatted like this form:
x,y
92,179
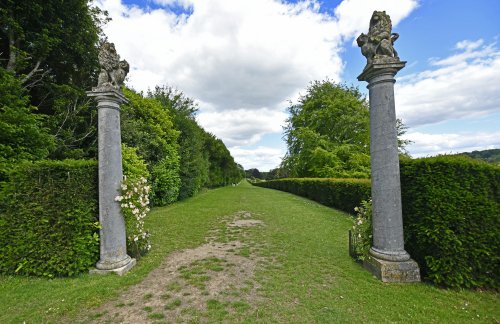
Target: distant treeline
x,y
490,156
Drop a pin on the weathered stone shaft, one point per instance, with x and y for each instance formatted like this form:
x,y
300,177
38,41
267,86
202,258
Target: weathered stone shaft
x,y
388,239
112,234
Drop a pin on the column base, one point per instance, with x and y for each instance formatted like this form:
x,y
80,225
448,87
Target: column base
x,y
393,271
119,271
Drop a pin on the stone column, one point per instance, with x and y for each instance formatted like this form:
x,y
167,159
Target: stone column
x,y
113,246
388,259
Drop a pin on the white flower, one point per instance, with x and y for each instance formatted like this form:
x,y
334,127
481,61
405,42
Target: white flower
x,y
118,198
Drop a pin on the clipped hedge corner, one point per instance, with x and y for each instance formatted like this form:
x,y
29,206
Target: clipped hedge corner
x,y
49,219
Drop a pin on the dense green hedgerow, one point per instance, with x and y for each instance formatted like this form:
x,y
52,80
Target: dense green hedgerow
x,y
451,210
451,215
343,194
48,219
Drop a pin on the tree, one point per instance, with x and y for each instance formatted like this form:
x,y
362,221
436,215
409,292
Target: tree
x,y
51,46
222,168
327,133
22,136
149,128
35,37
194,163
253,173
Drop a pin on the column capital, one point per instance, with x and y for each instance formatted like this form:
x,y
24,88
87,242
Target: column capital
x,y
379,67
108,94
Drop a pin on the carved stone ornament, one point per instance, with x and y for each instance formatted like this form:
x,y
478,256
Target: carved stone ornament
x,y
378,45
113,71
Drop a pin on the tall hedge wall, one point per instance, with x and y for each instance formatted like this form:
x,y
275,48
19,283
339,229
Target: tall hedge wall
x,y
343,194
451,210
48,219
451,215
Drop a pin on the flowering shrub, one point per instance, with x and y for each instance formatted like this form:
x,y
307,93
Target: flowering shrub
x,y
135,206
362,230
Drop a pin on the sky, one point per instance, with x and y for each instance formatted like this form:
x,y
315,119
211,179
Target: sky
x,y
245,61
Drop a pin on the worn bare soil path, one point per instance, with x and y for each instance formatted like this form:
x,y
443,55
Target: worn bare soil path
x,y
218,275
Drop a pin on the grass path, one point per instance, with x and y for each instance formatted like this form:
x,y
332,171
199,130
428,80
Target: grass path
x,y
302,273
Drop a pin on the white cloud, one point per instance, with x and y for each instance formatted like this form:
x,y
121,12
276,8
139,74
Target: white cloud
x,y
233,54
464,85
354,15
262,158
242,60
433,144
242,127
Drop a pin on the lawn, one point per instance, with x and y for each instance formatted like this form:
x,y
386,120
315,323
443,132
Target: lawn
x,y
304,273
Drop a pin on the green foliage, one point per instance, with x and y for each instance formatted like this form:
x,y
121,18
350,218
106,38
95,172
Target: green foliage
x,y
35,36
134,166
327,133
41,233
73,121
223,170
166,182
362,234
451,208
51,46
147,126
22,136
253,174
343,194
194,163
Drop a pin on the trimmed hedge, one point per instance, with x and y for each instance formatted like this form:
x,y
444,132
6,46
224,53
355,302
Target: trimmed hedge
x,y
451,215
49,219
343,194
451,210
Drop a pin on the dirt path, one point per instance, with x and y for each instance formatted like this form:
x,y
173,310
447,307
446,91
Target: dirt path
x,y
216,277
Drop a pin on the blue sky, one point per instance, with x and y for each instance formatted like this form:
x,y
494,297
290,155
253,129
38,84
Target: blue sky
x,y
244,60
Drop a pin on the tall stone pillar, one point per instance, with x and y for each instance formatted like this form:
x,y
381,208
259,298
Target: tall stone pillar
x,y
113,245
388,259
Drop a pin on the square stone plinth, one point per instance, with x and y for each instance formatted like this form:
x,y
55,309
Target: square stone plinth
x,y
393,271
119,271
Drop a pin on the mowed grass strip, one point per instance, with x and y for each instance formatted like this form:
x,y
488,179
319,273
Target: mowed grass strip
x,y
312,278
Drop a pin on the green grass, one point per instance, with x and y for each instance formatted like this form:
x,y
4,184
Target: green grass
x,y
311,280
173,304
195,273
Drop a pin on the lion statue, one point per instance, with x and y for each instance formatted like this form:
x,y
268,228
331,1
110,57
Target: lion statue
x,y
379,43
113,71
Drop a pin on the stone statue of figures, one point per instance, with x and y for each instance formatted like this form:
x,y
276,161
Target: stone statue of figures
x,y
113,71
379,43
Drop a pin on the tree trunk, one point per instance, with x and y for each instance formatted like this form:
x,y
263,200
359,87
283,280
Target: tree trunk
x,y
11,65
